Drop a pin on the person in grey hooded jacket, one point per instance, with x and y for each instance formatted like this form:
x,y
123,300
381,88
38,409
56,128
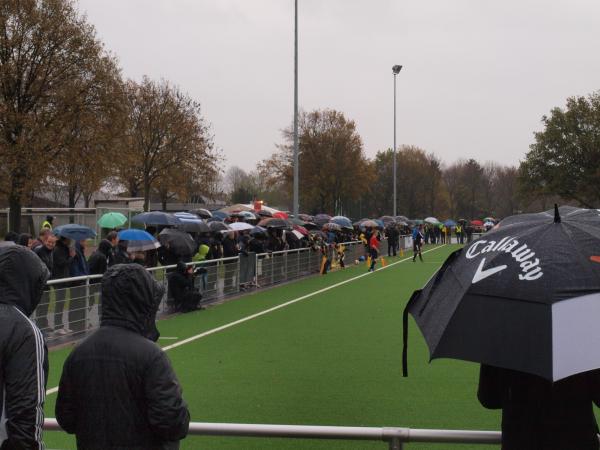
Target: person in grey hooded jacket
x,y
23,354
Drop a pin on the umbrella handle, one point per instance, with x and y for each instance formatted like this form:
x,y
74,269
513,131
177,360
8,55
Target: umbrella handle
x,y
413,297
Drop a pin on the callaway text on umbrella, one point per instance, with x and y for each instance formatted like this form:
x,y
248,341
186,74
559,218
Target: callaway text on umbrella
x,y
525,296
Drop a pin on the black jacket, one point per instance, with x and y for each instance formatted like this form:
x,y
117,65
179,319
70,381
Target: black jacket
x,y
230,247
100,259
540,415
118,389
46,256
24,363
61,261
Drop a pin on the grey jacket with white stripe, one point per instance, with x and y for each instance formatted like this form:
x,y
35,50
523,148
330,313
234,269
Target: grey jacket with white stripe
x,y
23,353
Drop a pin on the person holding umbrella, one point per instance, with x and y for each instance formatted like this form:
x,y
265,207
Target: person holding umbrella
x,y
539,414
523,301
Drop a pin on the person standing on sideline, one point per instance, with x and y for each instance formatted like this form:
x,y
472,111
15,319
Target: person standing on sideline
x,y
459,234
47,224
373,250
392,235
113,238
44,252
540,415
79,302
417,236
24,366
101,259
120,364
62,255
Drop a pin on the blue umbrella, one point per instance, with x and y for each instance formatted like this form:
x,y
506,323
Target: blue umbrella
x,y
450,223
220,215
258,231
156,218
191,223
186,215
74,232
138,240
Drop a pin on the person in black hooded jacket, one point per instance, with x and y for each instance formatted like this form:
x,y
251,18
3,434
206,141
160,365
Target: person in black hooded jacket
x,y
24,359
100,259
120,365
181,288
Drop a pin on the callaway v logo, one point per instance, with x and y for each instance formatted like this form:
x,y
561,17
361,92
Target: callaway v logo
x,y
523,255
480,274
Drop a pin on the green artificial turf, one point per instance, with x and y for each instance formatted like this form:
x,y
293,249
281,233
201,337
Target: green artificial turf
x,y
331,359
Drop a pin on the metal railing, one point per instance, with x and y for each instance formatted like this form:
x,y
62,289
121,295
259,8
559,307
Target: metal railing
x,y
394,437
72,306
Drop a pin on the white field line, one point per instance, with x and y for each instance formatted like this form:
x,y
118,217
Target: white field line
x,y
274,308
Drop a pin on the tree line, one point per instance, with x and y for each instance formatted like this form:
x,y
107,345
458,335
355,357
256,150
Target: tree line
x,y
69,120
562,166
336,177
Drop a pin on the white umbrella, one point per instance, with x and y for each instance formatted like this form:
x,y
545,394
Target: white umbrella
x,y
432,220
240,226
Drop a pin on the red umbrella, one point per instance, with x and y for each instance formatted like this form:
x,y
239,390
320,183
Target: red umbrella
x,y
301,229
281,215
477,223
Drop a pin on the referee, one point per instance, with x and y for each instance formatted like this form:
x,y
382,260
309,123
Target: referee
x,y
417,236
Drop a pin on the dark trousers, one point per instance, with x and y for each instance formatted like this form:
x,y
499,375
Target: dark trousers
x,y
373,254
417,251
78,308
392,248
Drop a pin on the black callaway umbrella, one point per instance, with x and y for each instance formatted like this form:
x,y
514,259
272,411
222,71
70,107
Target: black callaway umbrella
x,y
525,296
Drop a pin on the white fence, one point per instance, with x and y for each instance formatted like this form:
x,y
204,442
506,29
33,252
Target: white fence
x,y
393,436
72,306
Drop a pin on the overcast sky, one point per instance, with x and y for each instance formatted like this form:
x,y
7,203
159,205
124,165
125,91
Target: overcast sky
x,y
477,77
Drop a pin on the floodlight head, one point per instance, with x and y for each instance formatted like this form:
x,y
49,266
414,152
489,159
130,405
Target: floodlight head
x,y
396,69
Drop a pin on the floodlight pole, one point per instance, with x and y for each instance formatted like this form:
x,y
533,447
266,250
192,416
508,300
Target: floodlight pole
x,y
396,70
296,191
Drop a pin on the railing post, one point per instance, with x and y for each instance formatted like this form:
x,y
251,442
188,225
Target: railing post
x,y
87,304
237,280
396,444
256,270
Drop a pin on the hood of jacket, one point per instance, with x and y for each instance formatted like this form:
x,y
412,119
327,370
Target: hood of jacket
x,y
130,299
23,277
105,247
